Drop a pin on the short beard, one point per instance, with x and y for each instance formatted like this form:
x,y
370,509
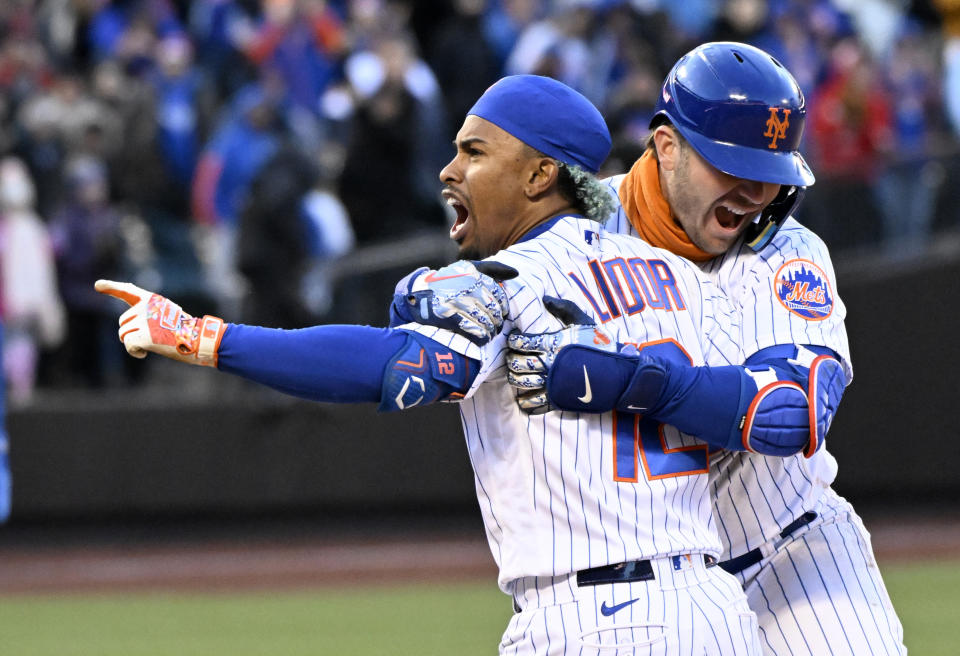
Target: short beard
x,y
681,182
680,204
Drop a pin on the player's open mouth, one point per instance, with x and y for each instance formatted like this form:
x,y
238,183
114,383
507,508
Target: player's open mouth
x,y
730,217
458,230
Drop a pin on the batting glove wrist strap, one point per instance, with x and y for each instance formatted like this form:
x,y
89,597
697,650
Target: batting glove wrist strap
x,y
587,379
424,371
645,391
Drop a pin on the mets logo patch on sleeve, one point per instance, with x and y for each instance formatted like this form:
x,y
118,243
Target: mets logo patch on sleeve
x,y
803,288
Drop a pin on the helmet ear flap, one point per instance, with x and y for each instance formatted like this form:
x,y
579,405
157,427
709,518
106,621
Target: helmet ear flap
x,y
759,233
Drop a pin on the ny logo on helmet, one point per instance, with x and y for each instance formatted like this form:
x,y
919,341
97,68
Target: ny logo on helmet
x,y
776,128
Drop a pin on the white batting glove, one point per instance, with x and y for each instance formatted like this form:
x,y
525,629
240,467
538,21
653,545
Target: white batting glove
x,y
531,355
155,324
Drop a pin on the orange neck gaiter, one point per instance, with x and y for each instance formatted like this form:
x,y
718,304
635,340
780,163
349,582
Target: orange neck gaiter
x,y
649,211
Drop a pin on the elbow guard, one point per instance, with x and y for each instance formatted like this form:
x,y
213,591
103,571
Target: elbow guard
x,y
825,388
777,419
424,371
796,400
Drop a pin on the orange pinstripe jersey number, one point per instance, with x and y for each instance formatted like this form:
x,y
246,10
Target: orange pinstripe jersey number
x,y
639,440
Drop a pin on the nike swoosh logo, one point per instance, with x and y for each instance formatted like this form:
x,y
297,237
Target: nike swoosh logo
x,y
633,407
588,395
433,277
607,611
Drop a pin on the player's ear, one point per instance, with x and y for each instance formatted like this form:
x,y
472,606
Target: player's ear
x,y
667,142
541,176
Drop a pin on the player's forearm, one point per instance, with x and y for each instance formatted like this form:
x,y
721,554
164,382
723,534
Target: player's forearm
x,y
399,369
766,406
770,405
338,364
707,402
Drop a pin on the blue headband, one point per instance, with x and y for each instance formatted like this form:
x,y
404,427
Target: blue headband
x,y
549,116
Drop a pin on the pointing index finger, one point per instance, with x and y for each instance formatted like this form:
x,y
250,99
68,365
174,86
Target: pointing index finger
x,y
122,290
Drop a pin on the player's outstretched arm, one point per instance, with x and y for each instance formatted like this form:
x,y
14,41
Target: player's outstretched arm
x,y
333,363
773,405
466,297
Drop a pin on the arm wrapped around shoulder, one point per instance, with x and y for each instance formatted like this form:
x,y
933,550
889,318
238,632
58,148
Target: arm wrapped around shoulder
x,y
773,406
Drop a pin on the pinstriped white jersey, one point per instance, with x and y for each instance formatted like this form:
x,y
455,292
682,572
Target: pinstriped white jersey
x,y
786,294
563,491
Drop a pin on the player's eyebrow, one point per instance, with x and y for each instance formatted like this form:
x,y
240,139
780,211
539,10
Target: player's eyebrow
x,y
465,143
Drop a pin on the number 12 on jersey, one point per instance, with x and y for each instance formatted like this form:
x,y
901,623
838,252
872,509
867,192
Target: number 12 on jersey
x,y
637,439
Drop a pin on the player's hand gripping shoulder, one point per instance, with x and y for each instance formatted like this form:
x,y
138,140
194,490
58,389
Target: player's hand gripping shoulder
x,y
531,358
465,297
155,324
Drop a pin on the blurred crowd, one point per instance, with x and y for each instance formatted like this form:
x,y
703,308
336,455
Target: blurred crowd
x,y
229,153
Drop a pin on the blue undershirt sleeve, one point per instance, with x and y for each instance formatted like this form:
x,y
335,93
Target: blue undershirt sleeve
x,y
710,402
334,363
348,364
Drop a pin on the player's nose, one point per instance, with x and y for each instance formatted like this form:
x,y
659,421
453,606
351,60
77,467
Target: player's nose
x,y
450,172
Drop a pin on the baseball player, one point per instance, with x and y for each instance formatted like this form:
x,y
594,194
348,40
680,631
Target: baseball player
x,y
600,523
717,185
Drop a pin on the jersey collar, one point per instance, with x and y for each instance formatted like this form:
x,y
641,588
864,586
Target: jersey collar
x,y
541,228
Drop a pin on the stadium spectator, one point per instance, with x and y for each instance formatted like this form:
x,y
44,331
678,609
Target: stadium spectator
x,y
461,45
909,185
249,135
303,41
273,246
59,120
505,20
32,311
560,46
850,138
87,244
126,29
219,30
182,107
398,112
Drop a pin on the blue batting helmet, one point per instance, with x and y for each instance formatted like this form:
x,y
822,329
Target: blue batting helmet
x,y
743,112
